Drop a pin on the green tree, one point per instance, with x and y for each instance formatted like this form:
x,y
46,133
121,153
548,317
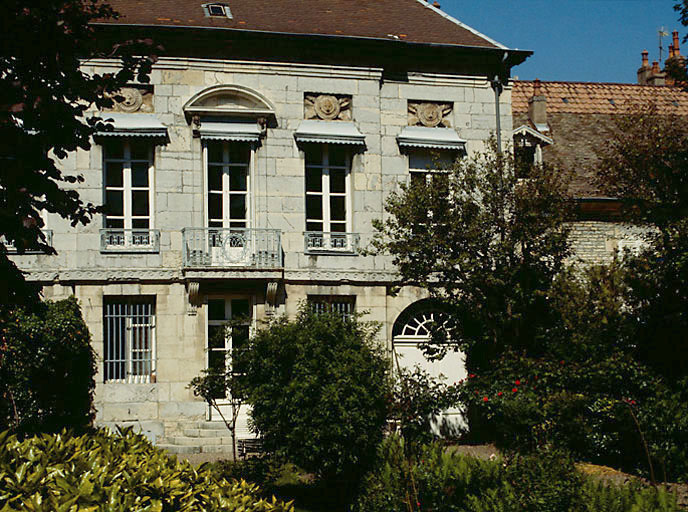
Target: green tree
x,y
44,116
47,367
486,244
318,387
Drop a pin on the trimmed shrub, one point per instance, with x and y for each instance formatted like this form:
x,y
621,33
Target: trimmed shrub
x,y
114,473
47,367
319,391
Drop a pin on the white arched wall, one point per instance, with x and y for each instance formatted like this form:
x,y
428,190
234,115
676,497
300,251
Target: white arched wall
x,y
410,331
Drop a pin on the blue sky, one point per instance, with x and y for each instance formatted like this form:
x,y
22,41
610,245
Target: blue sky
x,y
574,40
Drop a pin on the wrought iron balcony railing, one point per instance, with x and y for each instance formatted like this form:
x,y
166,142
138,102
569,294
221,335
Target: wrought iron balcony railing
x,y
130,240
324,242
231,247
11,248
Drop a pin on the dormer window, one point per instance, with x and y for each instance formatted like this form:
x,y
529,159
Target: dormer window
x,y
217,10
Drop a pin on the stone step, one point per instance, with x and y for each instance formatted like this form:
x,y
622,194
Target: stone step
x,y
177,449
202,432
211,425
222,448
196,441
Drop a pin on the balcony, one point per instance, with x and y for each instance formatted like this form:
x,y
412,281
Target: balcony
x,y
130,240
12,249
226,248
318,242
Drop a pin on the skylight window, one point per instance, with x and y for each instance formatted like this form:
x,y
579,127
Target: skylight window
x,y
217,10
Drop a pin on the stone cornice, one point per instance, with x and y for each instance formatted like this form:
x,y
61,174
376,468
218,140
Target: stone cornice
x,y
103,275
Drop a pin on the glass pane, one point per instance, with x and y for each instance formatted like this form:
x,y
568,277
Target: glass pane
x,y
314,226
314,154
238,153
338,208
338,227
216,309
216,337
314,207
139,150
113,148
114,223
215,152
337,155
140,223
139,202
239,336
114,202
313,179
215,206
113,174
139,174
237,206
237,178
237,224
215,224
240,309
214,177
338,180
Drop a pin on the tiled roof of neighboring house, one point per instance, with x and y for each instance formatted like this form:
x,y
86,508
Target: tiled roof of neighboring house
x,y
580,124
599,98
412,21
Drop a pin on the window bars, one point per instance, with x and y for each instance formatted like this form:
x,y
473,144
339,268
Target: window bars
x,y
129,335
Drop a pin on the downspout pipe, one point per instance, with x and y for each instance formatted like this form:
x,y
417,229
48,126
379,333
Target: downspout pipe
x,y
498,87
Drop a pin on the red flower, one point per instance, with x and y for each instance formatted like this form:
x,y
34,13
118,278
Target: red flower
x,y
515,390
561,362
471,375
499,394
536,377
418,503
518,382
632,402
477,393
484,399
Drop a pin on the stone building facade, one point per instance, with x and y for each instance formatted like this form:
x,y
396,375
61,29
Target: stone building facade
x,y
244,178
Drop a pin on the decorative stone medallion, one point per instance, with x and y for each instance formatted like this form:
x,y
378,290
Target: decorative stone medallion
x,y
133,99
430,114
327,107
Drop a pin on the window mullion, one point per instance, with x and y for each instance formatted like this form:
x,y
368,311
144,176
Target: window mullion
x,y
226,169
326,189
127,199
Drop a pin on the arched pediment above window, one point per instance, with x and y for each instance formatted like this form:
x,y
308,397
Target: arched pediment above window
x,y
229,101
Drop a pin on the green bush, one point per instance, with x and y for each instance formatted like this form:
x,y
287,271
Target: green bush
x,y
46,368
319,392
445,481
112,473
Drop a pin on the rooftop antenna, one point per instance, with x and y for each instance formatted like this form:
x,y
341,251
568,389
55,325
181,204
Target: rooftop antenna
x,y
662,33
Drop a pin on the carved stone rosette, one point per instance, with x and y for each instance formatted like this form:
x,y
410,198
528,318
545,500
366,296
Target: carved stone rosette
x,y
327,107
430,114
133,99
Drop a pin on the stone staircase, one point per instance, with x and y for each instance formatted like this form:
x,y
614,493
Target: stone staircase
x,y
199,437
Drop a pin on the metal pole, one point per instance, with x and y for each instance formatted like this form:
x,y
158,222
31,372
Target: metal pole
x,y
497,86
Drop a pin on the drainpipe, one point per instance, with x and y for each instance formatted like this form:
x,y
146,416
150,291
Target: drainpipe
x,y
498,86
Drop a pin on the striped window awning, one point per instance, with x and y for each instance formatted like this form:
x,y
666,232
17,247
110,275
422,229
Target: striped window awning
x,y
432,138
237,131
329,132
132,125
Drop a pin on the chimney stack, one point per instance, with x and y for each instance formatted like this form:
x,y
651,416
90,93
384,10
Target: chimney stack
x,y
656,77
436,4
671,51
677,48
644,70
537,108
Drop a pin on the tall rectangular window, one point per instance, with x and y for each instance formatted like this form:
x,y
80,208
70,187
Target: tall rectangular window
x,y
128,185
228,184
129,335
327,188
223,340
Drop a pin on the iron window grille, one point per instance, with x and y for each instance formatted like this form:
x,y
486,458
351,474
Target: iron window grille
x,y
129,339
344,305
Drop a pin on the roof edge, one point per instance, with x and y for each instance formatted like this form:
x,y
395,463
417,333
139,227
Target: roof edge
x,y
463,25
500,48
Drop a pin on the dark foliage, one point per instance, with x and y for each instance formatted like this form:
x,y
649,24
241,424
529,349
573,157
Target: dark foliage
x,y
45,115
319,391
47,367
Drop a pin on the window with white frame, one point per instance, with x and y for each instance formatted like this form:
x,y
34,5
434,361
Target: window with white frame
x,y
344,305
129,339
229,322
128,190
228,184
327,188
423,164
